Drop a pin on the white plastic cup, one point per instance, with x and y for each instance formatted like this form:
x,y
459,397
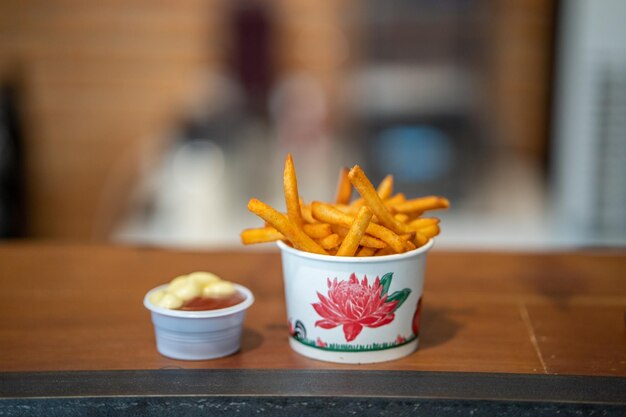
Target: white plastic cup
x,y
353,309
198,335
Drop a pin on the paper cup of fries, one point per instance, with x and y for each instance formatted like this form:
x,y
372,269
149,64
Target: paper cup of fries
x,y
353,309
353,269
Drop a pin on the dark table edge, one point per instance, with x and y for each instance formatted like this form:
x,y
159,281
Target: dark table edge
x,y
315,383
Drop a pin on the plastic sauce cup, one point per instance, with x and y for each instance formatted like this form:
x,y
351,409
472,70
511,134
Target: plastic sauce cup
x,y
198,335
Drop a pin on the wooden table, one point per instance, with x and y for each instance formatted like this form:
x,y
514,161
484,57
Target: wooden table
x,y
538,332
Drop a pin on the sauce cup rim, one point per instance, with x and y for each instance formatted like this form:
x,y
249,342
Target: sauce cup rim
x,y
202,314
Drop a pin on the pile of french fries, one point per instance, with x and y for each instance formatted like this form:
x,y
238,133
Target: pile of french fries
x,y
378,223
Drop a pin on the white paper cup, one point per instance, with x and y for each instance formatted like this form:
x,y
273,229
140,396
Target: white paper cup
x,y
352,309
198,335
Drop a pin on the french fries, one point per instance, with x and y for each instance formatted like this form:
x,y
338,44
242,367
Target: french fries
x,y
351,242
365,251
317,230
366,240
260,235
421,204
373,200
329,214
385,188
344,188
306,213
376,224
292,199
280,222
423,222
329,242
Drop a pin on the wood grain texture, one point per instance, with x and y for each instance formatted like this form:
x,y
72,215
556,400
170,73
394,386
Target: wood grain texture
x,y
73,307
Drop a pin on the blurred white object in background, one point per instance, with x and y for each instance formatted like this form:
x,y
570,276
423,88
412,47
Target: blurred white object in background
x,y
590,122
193,208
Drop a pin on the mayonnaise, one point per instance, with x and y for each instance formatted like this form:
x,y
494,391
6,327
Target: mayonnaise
x,y
186,287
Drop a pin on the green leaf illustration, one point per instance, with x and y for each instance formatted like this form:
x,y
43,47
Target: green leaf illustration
x,y
385,282
400,296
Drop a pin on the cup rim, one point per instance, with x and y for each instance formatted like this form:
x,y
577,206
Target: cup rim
x,y
357,259
201,314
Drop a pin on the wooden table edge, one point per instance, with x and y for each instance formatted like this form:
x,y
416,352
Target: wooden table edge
x,y
577,389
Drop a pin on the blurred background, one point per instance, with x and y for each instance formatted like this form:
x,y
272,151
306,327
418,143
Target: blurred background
x,y
154,122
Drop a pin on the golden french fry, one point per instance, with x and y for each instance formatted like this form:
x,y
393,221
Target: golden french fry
x,y
384,251
356,205
328,214
384,191
377,223
357,230
408,240
412,216
365,251
317,230
373,201
292,199
421,204
395,199
345,208
344,188
306,213
430,231
402,217
280,222
330,241
260,235
420,239
366,240
420,222
385,188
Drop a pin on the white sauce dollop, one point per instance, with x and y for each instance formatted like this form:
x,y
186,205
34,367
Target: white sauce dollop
x,y
186,287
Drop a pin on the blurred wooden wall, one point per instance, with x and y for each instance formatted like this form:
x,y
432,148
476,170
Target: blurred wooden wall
x,y
102,80
521,52
99,79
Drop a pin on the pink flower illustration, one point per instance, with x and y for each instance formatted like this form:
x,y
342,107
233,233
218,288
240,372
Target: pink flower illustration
x,y
354,305
319,342
400,339
416,318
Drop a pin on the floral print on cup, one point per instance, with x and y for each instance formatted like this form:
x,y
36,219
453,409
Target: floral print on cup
x,y
355,304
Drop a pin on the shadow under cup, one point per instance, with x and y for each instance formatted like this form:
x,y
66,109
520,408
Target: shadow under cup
x,y
352,309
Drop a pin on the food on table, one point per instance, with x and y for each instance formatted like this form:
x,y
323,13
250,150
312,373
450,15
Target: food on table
x,y
197,291
378,223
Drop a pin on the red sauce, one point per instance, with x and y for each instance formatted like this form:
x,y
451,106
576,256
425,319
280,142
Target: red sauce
x,y
212,303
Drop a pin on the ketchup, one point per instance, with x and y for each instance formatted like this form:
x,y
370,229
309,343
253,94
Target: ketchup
x,y
212,303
